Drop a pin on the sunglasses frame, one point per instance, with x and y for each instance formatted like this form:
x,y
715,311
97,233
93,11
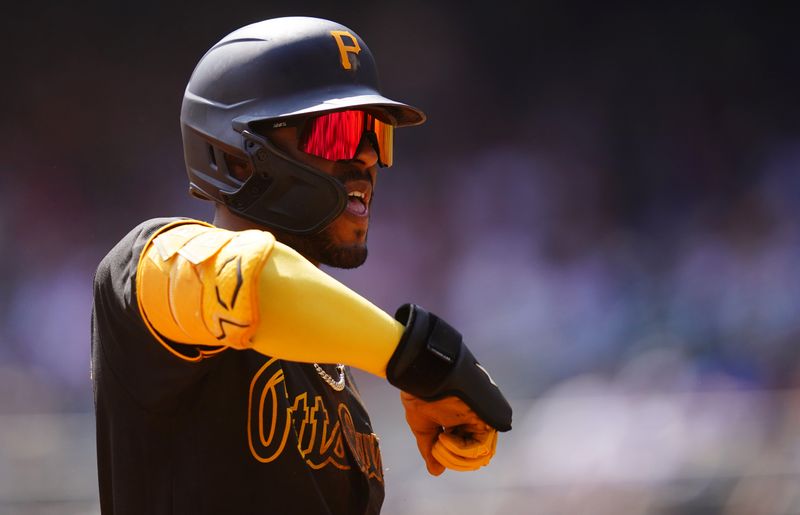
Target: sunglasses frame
x,y
300,122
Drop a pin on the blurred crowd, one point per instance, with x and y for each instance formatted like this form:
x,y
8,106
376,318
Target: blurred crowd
x,y
604,202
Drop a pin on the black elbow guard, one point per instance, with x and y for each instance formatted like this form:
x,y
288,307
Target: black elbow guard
x,y
431,362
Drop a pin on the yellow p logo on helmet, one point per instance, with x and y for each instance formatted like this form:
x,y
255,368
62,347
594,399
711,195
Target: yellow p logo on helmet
x,y
344,49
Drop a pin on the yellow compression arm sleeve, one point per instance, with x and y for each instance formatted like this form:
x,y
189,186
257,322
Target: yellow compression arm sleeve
x,y
201,285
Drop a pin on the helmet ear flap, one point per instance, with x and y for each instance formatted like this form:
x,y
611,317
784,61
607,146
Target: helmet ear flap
x,y
206,163
283,193
238,167
227,162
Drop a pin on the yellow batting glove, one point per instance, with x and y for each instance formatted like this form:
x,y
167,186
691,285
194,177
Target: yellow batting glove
x,y
449,434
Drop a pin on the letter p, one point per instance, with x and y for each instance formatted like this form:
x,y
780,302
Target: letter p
x,y
343,48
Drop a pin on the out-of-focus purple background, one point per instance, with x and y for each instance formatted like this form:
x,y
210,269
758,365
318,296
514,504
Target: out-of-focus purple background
x,y
605,201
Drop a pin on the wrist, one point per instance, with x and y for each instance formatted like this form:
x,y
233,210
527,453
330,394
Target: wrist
x,y
431,361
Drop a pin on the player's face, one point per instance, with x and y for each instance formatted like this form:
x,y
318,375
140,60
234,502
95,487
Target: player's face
x,y
343,243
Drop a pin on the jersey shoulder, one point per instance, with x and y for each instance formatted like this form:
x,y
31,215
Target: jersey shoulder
x,y
115,278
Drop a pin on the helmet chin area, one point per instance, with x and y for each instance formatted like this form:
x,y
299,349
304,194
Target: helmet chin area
x,y
283,193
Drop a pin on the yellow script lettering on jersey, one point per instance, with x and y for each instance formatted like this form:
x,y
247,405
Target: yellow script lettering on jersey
x,y
321,441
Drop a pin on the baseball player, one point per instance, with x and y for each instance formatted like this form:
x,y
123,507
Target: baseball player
x,y
220,352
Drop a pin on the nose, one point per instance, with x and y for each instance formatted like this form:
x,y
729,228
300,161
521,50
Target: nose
x,y
366,155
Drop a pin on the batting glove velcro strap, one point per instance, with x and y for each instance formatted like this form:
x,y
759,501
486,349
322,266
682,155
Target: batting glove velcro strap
x,y
431,362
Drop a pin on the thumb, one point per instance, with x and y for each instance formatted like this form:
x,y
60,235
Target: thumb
x,y
434,467
425,442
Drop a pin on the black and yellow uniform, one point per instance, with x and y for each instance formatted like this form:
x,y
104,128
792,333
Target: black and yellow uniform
x,y
185,429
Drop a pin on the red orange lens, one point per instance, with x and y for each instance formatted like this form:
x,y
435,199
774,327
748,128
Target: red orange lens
x,y
333,136
384,134
336,136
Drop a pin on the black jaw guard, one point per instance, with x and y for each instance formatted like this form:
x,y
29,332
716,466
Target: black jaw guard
x,y
431,362
283,193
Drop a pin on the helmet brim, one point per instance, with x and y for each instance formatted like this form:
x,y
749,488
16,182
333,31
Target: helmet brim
x,y
398,113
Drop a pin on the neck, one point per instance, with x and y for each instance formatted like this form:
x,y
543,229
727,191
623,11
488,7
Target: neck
x,y
225,219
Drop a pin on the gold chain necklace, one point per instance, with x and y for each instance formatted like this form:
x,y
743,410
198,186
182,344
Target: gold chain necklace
x,y
337,385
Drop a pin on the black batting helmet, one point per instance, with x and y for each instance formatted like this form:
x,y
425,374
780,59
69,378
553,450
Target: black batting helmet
x,y
266,72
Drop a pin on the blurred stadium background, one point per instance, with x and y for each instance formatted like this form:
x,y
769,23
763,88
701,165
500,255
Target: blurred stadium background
x,y
605,201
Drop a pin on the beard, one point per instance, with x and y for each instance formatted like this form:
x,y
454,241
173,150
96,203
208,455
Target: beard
x,y
321,248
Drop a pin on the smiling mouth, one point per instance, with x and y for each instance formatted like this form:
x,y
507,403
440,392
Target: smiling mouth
x,y
356,204
358,197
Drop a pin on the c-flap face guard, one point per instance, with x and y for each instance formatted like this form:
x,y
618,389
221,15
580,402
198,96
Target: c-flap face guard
x,y
284,193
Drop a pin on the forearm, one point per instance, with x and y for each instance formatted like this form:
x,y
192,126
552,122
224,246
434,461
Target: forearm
x,y
307,315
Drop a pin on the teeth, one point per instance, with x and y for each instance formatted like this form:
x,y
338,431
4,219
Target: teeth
x,y
357,194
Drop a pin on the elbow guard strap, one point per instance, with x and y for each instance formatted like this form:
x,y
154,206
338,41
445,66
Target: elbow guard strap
x,y
197,284
431,362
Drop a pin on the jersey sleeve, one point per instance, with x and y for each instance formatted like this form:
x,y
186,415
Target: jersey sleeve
x,y
155,373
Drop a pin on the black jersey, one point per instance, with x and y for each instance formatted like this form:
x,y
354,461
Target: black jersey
x,y
185,429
